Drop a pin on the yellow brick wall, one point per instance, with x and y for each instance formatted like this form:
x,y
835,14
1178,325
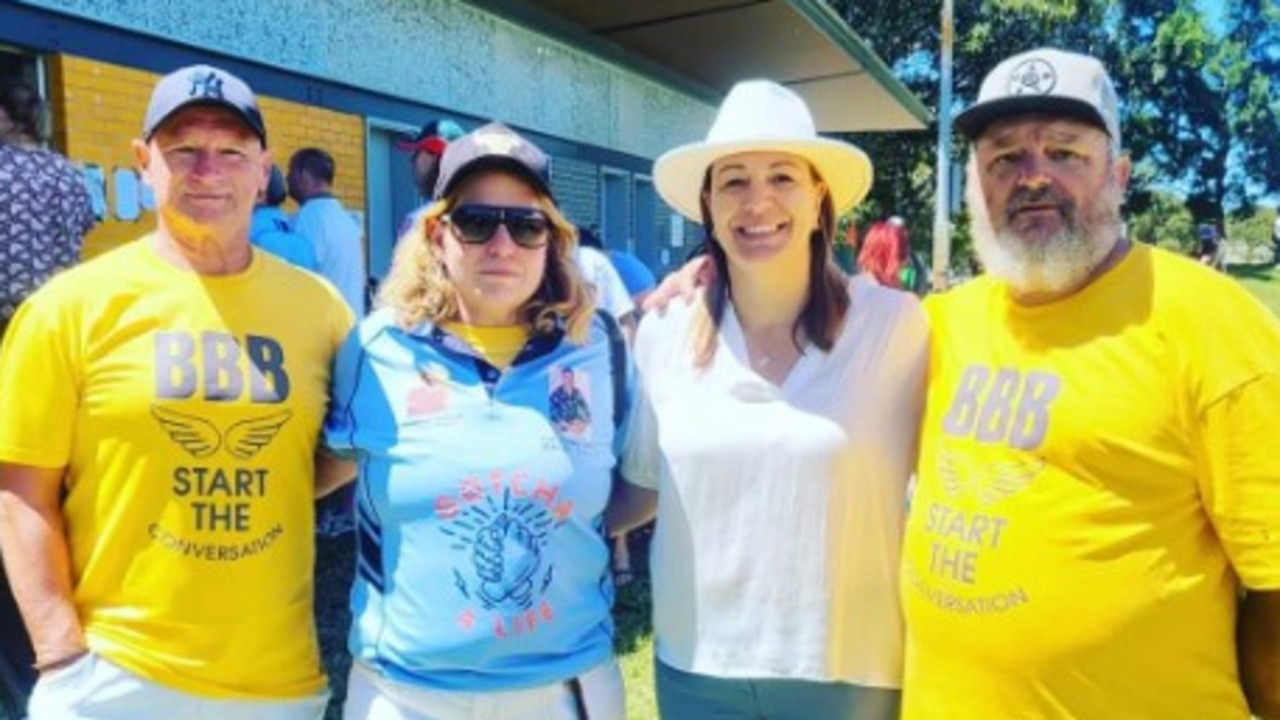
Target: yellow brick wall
x,y
100,107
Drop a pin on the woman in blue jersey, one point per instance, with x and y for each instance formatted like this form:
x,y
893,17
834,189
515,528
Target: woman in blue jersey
x,y
482,585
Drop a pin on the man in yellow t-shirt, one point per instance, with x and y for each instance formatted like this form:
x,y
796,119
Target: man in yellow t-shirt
x,y
159,413
1096,527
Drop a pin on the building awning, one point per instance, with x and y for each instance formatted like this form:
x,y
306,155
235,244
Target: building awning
x,y
704,46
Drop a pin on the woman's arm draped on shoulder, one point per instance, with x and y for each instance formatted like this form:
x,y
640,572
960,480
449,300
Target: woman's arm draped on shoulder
x,y
38,560
684,283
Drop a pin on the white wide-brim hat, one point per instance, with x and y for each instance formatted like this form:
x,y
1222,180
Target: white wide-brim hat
x,y
762,116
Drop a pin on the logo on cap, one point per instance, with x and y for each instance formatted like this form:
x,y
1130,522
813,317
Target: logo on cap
x,y
206,84
497,143
1032,77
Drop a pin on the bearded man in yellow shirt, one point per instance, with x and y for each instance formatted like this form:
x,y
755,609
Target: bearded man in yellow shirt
x,y
1096,527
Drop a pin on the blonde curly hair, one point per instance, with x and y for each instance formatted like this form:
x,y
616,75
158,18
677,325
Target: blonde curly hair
x,y
418,289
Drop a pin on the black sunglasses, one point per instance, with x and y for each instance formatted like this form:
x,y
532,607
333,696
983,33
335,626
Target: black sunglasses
x,y
476,224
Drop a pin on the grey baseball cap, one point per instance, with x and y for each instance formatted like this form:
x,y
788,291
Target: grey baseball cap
x,y
202,85
492,147
1049,81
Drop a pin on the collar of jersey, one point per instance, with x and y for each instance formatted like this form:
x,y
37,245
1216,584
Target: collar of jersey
x,y
537,346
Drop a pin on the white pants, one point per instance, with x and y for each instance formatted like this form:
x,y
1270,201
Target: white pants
x,y
370,696
94,688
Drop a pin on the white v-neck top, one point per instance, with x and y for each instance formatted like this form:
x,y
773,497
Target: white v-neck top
x,y
781,508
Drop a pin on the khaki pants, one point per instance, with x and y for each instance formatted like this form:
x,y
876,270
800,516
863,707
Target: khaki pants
x,y
94,688
373,697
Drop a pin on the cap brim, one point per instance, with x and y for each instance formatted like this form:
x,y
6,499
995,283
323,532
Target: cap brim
x,y
410,144
678,174
498,163
974,121
251,119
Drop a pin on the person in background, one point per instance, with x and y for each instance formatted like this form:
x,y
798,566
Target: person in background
x,y
425,150
45,213
160,407
636,276
777,423
271,228
482,588
45,210
610,293
336,237
886,257
1209,250
1095,532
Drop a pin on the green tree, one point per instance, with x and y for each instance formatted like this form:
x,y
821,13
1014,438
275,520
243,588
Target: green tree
x,y
1254,232
1253,78
1165,222
1200,104
907,35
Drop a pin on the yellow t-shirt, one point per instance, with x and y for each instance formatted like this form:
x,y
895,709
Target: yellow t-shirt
x,y
186,410
1095,475
497,344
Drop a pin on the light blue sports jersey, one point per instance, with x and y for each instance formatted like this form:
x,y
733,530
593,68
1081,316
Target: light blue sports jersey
x,y
482,563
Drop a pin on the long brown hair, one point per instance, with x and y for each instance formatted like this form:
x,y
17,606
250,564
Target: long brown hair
x,y
418,289
828,296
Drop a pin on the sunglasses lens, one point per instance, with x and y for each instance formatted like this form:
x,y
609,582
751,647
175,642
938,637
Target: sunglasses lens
x,y
529,231
476,224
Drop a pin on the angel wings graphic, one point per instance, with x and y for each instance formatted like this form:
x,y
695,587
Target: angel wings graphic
x,y
201,438
987,482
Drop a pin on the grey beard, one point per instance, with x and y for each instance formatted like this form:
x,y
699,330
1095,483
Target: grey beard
x,y
1052,265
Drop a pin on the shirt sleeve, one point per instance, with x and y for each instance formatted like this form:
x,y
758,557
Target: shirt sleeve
x,y
41,379
340,424
1241,479
310,225
642,459
613,292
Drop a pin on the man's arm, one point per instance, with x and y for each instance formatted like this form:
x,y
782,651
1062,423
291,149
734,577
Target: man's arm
x,y
1259,647
332,471
38,561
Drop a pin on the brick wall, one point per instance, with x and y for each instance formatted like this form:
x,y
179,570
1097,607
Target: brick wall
x,y
101,106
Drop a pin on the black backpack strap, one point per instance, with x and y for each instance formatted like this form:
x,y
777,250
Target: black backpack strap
x,y
617,366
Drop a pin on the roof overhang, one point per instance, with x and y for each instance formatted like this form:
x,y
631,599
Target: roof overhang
x,y
703,47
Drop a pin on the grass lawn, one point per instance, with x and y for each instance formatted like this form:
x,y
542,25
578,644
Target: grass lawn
x,y
633,639
1262,280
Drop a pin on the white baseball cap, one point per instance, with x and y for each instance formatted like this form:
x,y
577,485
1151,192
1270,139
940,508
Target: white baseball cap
x,y
1045,80
202,85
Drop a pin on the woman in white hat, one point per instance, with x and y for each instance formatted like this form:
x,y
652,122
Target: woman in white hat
x,y
777,422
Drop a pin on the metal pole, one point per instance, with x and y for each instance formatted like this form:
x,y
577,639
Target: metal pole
x,y
942,201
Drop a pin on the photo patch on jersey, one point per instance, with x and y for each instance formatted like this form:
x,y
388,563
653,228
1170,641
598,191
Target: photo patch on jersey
x,y
569,402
